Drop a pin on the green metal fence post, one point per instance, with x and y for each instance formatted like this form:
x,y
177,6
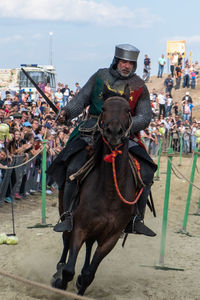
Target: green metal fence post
x,y
189,192
165,209
44,160
170,141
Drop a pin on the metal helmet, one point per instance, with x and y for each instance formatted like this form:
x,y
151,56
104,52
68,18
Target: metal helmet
x,y
126,52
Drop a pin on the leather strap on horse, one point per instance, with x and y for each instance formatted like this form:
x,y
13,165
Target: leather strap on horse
x,y
111,158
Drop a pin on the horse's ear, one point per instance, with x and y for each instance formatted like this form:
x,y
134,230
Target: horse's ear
x,y
126,94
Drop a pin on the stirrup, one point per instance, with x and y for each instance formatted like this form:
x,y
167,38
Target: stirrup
x,y
66,225
137,226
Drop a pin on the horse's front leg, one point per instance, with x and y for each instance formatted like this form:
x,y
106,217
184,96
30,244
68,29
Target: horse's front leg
x,y
88,275
58,275
89,244
66,242
68,269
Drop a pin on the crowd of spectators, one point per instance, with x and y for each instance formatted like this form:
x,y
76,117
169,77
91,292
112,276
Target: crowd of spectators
x,y
172,120
29,122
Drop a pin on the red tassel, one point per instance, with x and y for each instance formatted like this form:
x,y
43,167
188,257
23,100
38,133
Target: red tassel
x,y
108,158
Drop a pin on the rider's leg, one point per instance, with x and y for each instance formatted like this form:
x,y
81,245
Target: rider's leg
x,y
137,225
71,190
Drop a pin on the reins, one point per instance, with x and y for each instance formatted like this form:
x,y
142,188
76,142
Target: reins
x,y
111,158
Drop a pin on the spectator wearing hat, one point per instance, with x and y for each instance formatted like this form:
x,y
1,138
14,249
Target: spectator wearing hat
x,y
17,116
186,111
17,121
187,97
27,124
7,106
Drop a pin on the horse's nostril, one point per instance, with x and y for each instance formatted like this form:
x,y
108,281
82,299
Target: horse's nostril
x,y
120,132
108,131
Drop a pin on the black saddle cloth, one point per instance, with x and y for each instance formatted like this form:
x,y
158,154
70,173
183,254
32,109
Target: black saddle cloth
x,y
59,166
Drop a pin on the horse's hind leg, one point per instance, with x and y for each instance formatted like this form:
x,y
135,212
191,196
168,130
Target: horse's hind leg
x,y
88,275
89,244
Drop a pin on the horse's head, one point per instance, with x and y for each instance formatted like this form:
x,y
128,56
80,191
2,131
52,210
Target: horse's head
x,y
115,120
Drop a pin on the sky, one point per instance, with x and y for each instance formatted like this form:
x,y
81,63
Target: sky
x,y
85,32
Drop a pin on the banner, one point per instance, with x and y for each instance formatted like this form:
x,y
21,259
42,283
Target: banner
x,y
176,46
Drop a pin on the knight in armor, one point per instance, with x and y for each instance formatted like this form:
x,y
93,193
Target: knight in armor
x,y
118,78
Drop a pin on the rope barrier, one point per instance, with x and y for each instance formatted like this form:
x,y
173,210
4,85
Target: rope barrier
x,y
44,286
183,177
25,163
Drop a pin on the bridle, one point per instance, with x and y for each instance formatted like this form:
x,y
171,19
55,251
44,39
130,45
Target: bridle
x,y
101,125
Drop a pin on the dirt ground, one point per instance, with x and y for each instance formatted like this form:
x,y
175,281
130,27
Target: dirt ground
x,y
126,273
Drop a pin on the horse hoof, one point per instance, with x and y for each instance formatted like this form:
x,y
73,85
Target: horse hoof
x,y
57,283
78,282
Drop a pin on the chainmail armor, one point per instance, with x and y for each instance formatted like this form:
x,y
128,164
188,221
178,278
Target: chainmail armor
x,y
143,112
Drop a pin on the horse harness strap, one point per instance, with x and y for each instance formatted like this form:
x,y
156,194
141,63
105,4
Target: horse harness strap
x,y
82,173
135,168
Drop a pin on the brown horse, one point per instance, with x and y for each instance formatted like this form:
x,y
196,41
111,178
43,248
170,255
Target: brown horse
x,y
101,214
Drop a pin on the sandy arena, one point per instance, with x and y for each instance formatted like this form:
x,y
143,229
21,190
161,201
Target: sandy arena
x,y
121,275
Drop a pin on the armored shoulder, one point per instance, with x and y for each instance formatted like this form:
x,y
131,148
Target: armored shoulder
x,y
136,82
